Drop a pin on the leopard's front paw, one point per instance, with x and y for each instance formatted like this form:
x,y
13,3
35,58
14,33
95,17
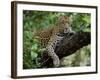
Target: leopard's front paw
x,y
56,62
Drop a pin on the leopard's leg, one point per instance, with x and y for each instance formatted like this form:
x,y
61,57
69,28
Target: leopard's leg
x,y
52,54
50,48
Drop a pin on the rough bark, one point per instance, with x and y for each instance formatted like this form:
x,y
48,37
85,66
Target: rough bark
x,y
69,45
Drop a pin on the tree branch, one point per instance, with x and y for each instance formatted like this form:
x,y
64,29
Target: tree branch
x,y
69,45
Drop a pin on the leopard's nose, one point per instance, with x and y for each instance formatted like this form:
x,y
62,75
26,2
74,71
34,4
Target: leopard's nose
x,y
65,30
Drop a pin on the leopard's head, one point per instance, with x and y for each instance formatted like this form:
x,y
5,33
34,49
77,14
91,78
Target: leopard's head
x,y
64,22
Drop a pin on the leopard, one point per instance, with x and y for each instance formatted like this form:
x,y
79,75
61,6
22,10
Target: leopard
x,y
49,38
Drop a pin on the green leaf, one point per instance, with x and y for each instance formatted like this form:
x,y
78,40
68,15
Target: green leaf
x,y
33,55
34,47
42,50
35,40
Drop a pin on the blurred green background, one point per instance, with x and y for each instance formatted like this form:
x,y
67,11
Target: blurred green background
x,y
36,20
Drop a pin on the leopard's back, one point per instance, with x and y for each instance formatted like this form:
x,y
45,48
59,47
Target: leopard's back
x,y
44,36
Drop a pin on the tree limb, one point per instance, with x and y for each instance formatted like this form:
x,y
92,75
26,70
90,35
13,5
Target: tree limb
x,y
69,45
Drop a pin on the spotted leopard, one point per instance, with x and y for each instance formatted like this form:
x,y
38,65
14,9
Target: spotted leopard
x,y
51,37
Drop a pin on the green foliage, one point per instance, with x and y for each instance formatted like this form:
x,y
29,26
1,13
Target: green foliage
x,y
36,20
81,21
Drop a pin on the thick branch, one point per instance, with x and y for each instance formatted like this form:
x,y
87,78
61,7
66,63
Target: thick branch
x,y
73,43
69,45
